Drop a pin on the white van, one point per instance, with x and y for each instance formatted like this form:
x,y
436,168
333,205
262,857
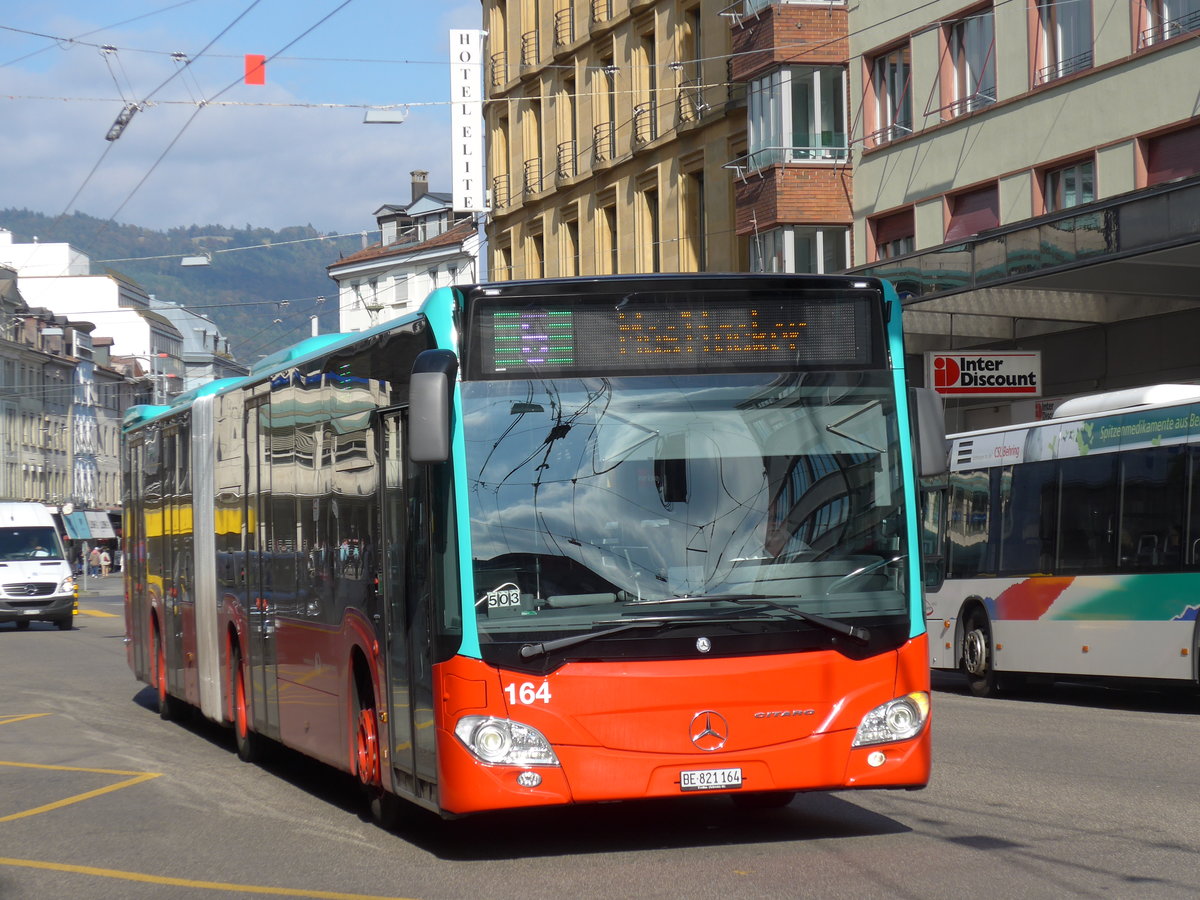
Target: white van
x,y
36,581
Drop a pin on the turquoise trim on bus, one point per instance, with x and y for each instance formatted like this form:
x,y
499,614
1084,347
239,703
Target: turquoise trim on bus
x,y
912,503
441,309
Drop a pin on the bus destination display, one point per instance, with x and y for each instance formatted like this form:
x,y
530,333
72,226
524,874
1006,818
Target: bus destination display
x,y
592,337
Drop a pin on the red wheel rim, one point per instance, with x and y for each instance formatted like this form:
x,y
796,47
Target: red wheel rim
x,y
239,704
367,748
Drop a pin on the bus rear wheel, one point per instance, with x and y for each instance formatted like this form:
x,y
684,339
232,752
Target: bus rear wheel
x,y
977,663
169,707
249,743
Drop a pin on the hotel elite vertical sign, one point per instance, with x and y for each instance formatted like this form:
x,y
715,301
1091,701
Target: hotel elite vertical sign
x,y
466,120
985,374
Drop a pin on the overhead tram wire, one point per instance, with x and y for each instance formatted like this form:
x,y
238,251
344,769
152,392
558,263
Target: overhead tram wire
x,y
219,93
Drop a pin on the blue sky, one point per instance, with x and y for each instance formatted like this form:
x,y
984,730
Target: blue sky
x,y
294,151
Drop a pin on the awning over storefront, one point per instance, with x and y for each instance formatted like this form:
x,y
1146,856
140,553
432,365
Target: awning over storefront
x,y
87,525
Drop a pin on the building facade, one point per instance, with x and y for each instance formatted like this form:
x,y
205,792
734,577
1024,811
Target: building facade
x,y
608,136
424,245
1028,174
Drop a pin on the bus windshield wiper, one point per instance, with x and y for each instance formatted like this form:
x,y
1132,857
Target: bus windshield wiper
x,y
528,651
764,601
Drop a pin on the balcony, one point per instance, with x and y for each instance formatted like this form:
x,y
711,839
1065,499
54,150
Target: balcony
x,y
645,122
530,49
501,193
498,69
691,102
604,144
564,26
533,176
567,161
602,11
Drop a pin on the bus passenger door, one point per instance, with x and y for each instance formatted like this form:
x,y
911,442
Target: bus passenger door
x,y
260,609
402,632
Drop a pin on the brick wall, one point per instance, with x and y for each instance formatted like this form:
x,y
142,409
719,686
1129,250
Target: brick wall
x,y
803,35
787,195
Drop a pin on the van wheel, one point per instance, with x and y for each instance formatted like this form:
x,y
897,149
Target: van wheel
x,y
65,624
977,662
22,624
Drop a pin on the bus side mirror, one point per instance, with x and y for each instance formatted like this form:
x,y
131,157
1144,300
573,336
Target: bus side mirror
x,y
430,397
929,428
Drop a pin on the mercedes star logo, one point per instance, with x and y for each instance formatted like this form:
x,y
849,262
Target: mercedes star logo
x,y
709,730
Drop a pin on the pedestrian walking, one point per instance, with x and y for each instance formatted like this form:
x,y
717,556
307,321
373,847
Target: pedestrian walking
x,y
94,562
105,562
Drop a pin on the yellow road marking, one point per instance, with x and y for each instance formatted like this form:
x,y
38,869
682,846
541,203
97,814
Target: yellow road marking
x,y
8,720
97,613
187,882
137,778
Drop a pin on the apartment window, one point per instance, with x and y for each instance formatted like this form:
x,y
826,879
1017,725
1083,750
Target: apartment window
x,y
797,113
1069,186
651,232
607,236
970,80
695,216
536,258
570,261
645,114
568,149
973,211
605,134
894,234
816,249
891,80
1161,20
1173,155
1063,43
533,147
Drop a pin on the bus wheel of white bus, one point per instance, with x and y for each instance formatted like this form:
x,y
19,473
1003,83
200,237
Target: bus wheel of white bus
x,y
977,655
249,744
169,707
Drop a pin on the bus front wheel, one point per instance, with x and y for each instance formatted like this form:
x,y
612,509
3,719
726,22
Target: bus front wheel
x,y
384,807
977,662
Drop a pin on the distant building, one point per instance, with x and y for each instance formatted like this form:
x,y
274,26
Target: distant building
x,y
205,353
424,245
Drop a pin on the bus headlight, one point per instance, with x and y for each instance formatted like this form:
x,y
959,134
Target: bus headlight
x,y
504,742
896,720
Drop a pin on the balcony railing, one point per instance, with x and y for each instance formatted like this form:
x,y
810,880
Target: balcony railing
x,y
533,176
1169,28
645,122
564,26
965,105
604,144
1063,68
530,49
567,160
836,150
501,195
692,104
499,68
602,11
887,134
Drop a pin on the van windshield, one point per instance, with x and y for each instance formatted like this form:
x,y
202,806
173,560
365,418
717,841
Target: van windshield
x,y
33,542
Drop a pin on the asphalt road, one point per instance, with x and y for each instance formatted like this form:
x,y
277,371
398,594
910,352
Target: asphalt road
x,y
1077,792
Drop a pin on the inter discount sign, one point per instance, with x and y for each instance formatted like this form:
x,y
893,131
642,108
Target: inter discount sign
x,y
985,374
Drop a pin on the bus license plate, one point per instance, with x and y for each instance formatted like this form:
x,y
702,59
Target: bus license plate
x,y
710,779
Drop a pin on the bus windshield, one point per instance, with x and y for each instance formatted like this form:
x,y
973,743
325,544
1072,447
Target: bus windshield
x,y
595,500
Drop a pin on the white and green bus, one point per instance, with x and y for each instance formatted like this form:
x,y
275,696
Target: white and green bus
x,y
1073,545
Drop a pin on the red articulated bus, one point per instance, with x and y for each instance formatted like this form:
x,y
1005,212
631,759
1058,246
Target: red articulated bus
x,y
553,542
